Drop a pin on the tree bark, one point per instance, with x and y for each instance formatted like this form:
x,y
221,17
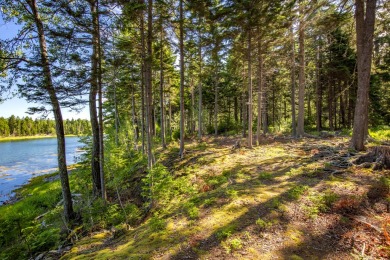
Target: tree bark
x,y
162,109
143,85
100,92
318,88
181,47
250,138
365,21
63,172
200,85
259,87
293,109
301,90
95,156
148,86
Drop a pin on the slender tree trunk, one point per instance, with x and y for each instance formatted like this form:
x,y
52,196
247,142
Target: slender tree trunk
x,y
143,85
192,107
101,130
95,160
244,113
273,106
134,118
148,87
236,110
330,105
265,109
301,91
318,88
365,21
170,118
59,124
200,86
259,87
116,119
250,137
181,47
216,81
293,109
162,89
342,106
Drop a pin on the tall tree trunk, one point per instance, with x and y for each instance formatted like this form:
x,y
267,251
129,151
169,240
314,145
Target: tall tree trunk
x,y
293,109
192,107
216,81
342,106
236,110
365,21
134,118
301,91
116,119
318,88
250,138
181,47
143,85
265,109
259,87
162,89
95,160
244,113
100,92
273,106
59,124
200,85
330,104
148,86
170,118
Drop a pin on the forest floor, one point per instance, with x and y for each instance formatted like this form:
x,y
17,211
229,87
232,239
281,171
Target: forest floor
x,y
284,199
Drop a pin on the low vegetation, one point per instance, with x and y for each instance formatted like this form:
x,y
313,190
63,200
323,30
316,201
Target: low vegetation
x,y
282,199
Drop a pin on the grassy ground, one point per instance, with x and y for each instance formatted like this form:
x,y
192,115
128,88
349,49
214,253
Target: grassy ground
x,y
23,138
284,199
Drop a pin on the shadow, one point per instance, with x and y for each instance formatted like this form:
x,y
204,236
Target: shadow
x,y
339,241
275,175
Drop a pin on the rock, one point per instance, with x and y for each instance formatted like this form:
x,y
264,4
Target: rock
x,y
40,256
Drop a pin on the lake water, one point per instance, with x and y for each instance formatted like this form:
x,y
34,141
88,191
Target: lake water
x,y
22,160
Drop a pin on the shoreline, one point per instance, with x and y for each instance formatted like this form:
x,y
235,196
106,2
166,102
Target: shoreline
x,y
40,179
25,138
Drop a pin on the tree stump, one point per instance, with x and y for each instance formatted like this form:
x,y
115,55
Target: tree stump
x,y
379,156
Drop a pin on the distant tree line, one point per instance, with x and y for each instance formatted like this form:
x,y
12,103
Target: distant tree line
x,y
26,126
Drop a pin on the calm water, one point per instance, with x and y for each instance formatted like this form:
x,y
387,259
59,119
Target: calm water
x,y
22,160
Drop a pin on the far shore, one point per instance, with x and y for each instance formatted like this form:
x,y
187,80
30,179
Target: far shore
x,y
21,138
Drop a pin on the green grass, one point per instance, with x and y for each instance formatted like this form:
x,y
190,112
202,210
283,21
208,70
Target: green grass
x,y
380,133
24,138
21,232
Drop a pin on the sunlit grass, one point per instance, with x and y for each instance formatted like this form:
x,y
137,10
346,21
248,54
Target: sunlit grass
x,y
23,138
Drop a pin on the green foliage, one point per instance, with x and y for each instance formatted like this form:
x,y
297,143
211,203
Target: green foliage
x,y
231,193
21,233
133,213
225,232
320,203
295,192
216,180
232,245
274,203
157,223
380,133
191,210
262,224
265,176
26,126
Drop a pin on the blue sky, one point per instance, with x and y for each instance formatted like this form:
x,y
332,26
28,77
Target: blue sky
x,y
16,106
